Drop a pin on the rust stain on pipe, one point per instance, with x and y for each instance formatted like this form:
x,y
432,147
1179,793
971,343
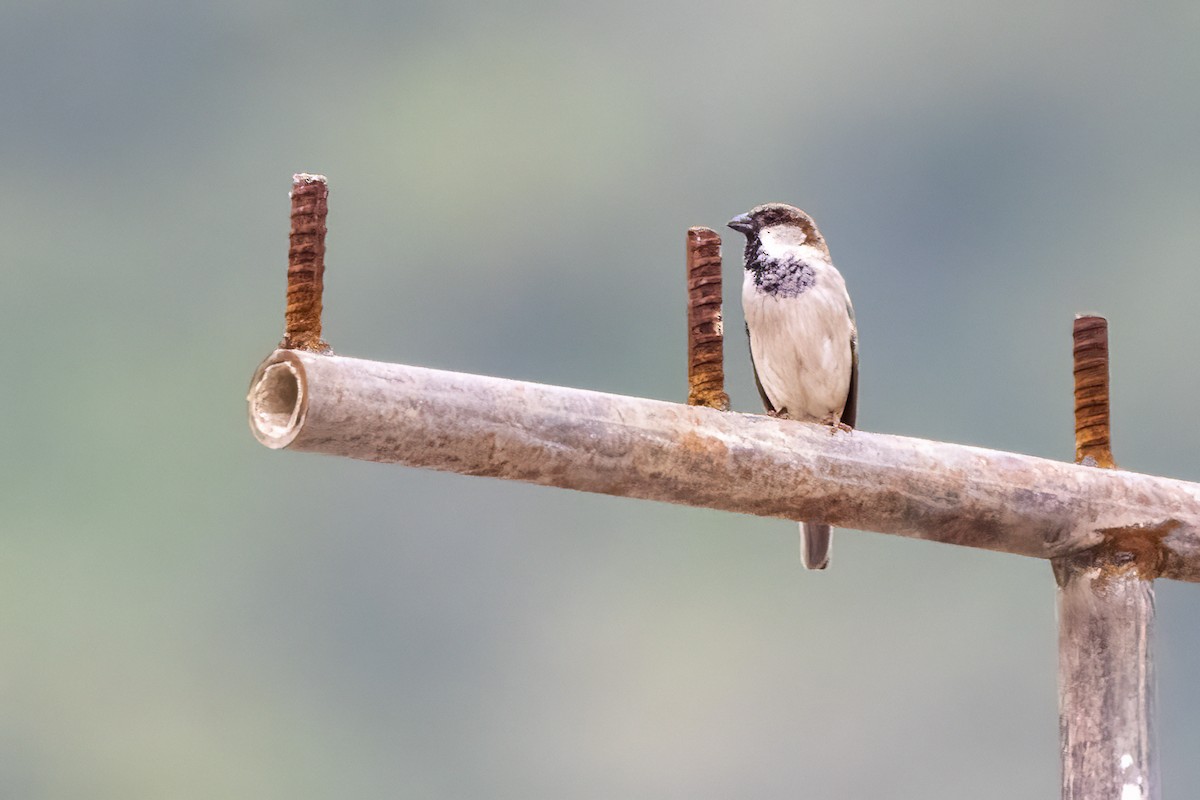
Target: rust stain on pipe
x,y
1136,549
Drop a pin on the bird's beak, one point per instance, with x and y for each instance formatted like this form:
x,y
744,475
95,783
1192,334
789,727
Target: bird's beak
x,y
742,223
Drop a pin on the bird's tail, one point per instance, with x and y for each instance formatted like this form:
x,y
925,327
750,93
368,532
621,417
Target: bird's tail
x,y
814,544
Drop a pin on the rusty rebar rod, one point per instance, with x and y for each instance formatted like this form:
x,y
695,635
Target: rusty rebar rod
x,y
1093,441
306,264
706,367
1106,620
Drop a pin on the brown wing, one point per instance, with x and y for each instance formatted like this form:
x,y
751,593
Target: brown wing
x,y
850,412
761,392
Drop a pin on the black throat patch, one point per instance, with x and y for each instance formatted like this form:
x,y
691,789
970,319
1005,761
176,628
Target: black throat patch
x,y
778,277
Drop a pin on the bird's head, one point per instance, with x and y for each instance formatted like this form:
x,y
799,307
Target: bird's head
x,y
779,224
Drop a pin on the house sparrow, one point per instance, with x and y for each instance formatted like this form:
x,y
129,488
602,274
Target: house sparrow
x,y
803,340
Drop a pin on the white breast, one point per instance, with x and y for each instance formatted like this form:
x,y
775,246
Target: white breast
x,y
801,344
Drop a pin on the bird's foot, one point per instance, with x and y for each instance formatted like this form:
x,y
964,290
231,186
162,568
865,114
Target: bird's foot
x,y
835,424
779,414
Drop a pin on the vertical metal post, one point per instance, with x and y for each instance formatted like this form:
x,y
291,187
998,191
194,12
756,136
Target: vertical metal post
x,y
1105,622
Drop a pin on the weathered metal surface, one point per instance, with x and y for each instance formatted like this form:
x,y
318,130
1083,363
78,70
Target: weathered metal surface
x,y
696,456
1106,682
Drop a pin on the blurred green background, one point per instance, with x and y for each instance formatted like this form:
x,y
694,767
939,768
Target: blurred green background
x,y
185,614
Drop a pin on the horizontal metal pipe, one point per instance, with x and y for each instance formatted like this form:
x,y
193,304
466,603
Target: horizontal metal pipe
x,y
634,447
